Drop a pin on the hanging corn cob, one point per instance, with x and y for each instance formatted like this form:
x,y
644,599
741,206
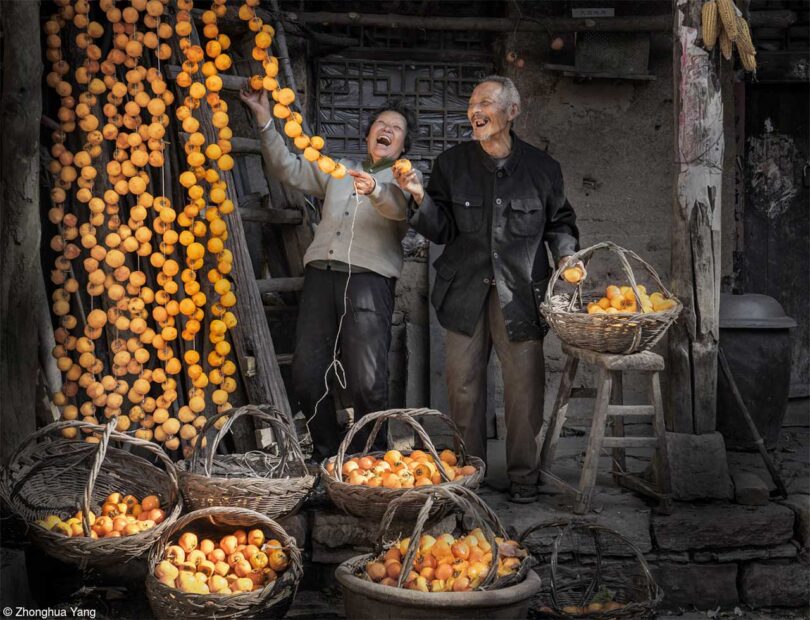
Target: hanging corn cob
x,y
709,23
728,17
730,28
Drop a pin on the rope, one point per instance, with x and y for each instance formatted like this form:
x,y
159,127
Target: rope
x,y
340,372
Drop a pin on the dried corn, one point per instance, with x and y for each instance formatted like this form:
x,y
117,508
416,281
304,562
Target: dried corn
x,y
728,17
709,21
726,45
743,40
749,61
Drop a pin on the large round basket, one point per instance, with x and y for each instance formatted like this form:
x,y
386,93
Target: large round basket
x,y
508,596
272,601
63,476
372,502
594,572
274,484
624,332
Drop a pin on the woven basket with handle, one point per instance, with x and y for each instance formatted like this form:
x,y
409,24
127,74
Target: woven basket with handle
x,y
275,485
595,572
271,601
622,333
372,502
63,476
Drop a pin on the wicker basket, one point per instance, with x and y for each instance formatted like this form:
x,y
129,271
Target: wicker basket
x,y
590,562
372,502
65,475
606,333
272,601
275,486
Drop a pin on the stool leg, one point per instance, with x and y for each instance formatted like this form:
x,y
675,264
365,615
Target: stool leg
x,y
558,412
617,398
661,457
587,478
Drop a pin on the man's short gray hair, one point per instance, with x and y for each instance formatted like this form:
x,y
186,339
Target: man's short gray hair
x,y
509,92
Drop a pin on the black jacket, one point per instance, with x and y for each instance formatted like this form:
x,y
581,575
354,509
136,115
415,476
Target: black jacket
x,y
494,223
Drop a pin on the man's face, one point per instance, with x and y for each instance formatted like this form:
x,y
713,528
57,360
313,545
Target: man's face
x,y
486,113
386,137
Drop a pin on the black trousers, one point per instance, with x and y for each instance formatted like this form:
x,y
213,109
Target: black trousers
x,y
363,351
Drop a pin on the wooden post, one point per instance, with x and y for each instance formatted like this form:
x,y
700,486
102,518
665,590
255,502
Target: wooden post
x,y
21,281
696,256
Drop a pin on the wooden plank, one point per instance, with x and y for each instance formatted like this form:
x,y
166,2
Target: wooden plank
x,y
245,146
628,442
634,483
22,282
558,412
587,478
252,341
288,217
641,23
280,285
631,410
783,66
695,264
616,410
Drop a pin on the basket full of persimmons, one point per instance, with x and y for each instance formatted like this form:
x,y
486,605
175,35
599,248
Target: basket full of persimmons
x,y
364,484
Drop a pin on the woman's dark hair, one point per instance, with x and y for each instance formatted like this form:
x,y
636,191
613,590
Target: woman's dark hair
x,y
398,106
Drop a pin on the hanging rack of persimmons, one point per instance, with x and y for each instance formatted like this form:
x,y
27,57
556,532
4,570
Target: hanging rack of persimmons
x,y
131,336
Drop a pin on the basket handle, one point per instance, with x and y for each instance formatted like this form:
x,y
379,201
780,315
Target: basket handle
x,y
467,502
229,515
108,433
585,256
286,438
409,417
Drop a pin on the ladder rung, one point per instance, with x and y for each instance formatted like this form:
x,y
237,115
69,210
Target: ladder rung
x,y
629,442
280,285
631,410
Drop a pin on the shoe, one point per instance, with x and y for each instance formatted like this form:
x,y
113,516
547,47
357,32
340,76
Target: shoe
x,y
523,493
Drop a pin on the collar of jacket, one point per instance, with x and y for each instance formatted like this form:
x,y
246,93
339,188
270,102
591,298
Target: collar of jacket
x,y
380,165
513,158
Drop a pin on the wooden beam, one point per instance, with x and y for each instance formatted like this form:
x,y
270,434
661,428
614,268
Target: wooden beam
x,y
280,285
245,146
639,23
22,283
271,216
695,264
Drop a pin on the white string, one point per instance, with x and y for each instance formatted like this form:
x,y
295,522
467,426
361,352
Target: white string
x,y
340,373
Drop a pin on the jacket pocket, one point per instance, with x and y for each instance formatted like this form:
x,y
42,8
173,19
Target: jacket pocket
x,y
445,274
525,217
469,213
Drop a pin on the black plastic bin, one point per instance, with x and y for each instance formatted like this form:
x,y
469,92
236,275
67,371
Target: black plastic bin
x,y
755,335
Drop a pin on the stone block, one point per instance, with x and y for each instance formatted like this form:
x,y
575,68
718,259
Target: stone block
x,y
787,550
296,526
775,585
705,586
749,490
800,505
719,526
698,467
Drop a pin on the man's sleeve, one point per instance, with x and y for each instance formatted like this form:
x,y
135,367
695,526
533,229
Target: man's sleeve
x,y
290,169
561,233
434,217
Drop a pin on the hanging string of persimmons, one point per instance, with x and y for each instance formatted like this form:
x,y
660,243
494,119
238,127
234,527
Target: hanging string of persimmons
x,y
116,109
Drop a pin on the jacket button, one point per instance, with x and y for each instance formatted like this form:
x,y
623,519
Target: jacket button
x,y
331,251
467,204
486,280
498,201
338,233
500,173
494,255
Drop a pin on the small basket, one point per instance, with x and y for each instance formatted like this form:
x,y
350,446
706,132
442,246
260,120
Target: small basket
x,y
622,333
586,559
64,475
372,502
272,601
273,486
455,498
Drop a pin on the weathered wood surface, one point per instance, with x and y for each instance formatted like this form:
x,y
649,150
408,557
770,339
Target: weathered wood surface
x,y
696,260
648,23
21,285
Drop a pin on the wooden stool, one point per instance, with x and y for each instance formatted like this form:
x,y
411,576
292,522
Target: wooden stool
x,y
609,405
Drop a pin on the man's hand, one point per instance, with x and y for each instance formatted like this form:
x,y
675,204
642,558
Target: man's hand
x,y
257,102
364,183
409,182
568,263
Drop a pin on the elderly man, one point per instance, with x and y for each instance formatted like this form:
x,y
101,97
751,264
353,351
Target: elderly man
x,y
495,202
362,233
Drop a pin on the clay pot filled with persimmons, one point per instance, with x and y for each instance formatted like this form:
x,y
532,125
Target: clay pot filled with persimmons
x,y
223,562
89,503
474,570
364,484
